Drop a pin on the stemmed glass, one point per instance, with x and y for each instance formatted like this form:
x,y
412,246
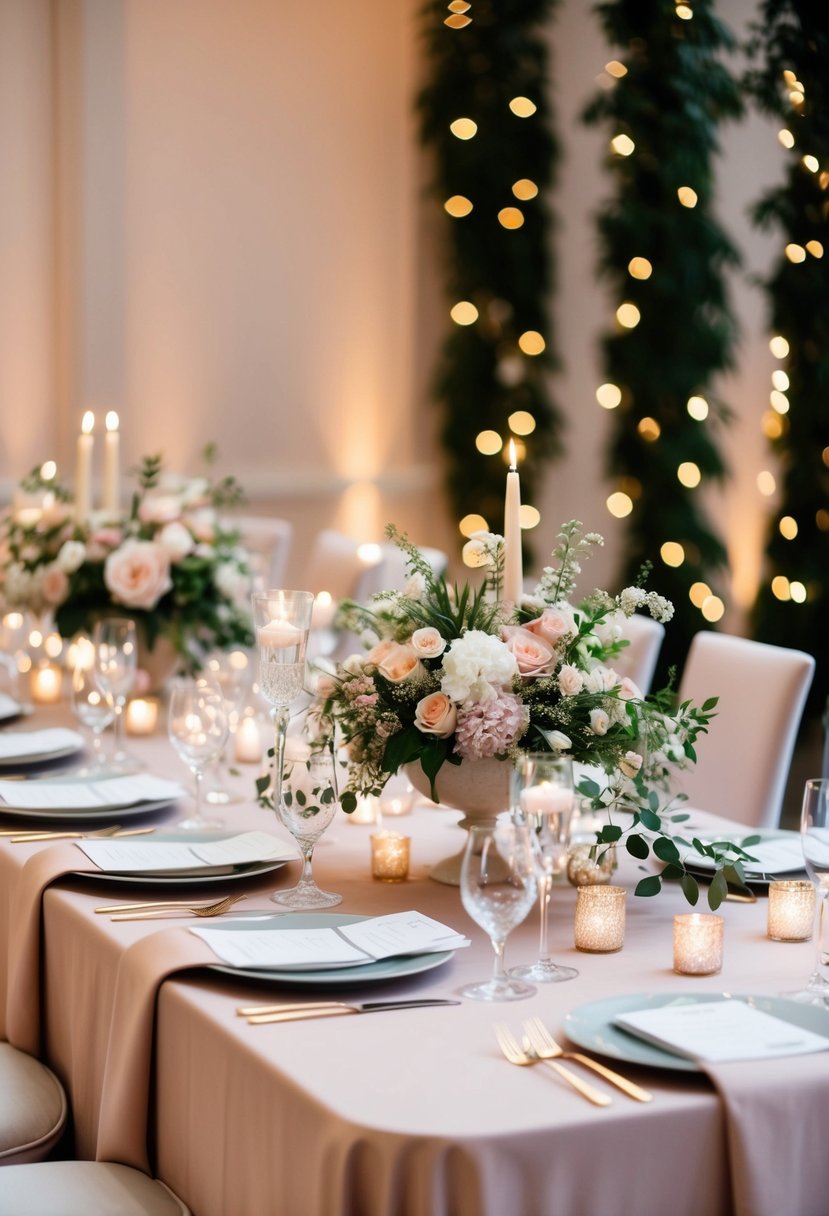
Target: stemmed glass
x,y
282,620
116,656
306,808
498,888
197,726
543,799
814,837
94,710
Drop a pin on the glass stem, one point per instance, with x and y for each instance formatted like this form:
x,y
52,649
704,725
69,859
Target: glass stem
x,y
119,727
306,878
198,773
499,975
281,715
822,970
545,887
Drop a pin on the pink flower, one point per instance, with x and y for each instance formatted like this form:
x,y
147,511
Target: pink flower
x,y
428,643
138,574
159,508
554,625
490,728
54,584
436,715
398,662
534,656
629,690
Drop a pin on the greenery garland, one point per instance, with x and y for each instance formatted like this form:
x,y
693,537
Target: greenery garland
x,y
791,83
488,63
664,255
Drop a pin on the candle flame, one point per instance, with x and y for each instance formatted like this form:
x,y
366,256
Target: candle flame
x,y
512,456
87,422
111,420
48,470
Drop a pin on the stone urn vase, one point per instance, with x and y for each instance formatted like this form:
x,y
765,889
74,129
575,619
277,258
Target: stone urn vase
x,y
479,788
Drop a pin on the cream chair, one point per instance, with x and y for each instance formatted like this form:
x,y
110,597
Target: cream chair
x,y
638,659
390,573
32,1110
268,542
84,1188
336,565
743,762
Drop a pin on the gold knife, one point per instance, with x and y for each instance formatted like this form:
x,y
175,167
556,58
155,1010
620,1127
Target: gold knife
x,y
258,1015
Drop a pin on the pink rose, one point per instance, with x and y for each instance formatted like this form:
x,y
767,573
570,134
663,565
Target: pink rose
x,y
553,625
138,574
54,585
629,690
534,656
436,715
379,652
427,642
159,508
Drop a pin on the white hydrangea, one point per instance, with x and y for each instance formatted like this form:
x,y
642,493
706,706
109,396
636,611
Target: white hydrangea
x,y
476,667
630,599
231,582
71,556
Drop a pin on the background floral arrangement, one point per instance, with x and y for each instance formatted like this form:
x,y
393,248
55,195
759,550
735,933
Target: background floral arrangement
x,y
454,675
167,563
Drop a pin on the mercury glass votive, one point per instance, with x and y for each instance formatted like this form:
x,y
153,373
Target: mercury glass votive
x,y
390,856
600,919
791,911
698,940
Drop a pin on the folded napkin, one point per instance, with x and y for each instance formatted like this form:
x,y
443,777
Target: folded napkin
x,y
34,743
113,792
9,708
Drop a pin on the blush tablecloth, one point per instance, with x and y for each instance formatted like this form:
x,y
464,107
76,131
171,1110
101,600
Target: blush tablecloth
x,y
409,1113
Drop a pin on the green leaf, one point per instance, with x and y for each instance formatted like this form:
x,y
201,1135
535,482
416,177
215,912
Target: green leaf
x,y
665,849
609,834
300,797
348,802
717,891
652,822
651,885
690,889
637,846
401,748
589,788
709,704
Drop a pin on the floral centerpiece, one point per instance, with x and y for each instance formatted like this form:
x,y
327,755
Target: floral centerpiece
x,y
167,562
455,675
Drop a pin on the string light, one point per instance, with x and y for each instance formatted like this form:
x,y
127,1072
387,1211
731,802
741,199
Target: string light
x,y
531,342
524,189
766,483
780,379
689,475
697,407
779,402
810,162
628,315
522,107
619,504
640,268
649,429
458,206
488,443
788,527
684,12
822,519
778,346
815,248
622,145
712,608
521,423
798,592
795,253
510,217
528,517
463,128
616,69
687,196
464,313
672,553
786,138
780,588
699,593
609,396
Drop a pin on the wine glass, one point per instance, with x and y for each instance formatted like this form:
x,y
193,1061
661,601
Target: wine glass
x,y
94,710
814,837
116,657
498,888
543,799
306,808
231,671
282,620
197,726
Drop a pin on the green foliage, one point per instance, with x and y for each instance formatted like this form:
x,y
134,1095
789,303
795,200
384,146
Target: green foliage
x,y
794,36
508,275
670,102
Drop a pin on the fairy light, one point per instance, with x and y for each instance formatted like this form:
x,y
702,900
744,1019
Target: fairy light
x,y
795,253
609,396
528,516
773,425
622,145
521,422
810,162
684,12
48,470
531,342
697,407
815,248
524,189
464,313
522,107
511,217
712,608
458,206
488,443
649,429
628,315
780,588
698,593
470,524
689,475
619,504
616,69
779,401
463,128
822,519
779,346
788,527
780,379
687,196
766,483
457,21
798,592
640,268
672,553
786,138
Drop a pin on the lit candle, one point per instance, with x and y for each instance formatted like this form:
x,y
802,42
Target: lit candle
x,y
600,919
279,634
248,741
698,940
390,856
323,611
365,810
112,462
141,716
791,913
83,469
513,570
46,683
546,798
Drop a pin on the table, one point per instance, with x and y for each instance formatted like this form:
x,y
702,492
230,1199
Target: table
x,y
409,1113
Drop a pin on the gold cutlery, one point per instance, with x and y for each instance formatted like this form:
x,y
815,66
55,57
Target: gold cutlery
x,y
155,911
18,837
515,1055
259,1015
546,1048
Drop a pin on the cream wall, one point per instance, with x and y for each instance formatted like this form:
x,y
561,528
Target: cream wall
x,y
212,222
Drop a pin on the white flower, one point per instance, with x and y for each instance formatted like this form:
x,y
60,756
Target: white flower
x,y
476,666
599,722
415,586
557,740
353,665
570,680
176,540
610,629
660,608
630,599
427,643
231,582
630,764
600,679
71,556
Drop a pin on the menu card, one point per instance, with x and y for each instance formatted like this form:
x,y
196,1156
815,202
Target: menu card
x,y
36,743
361,942
114,792
716,1031
184,857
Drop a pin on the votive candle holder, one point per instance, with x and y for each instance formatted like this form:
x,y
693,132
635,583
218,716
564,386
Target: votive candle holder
x,y
791,910
600,919
698,943
390,856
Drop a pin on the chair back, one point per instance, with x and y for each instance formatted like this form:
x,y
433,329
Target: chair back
x,y
268,543
390,572
638,659
743,762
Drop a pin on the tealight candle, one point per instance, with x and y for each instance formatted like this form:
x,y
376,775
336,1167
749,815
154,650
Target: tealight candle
x,y
396,798
698,940
46,681
600,919
791,913
247,746
366,810
279,634
390,856
546,798
141,716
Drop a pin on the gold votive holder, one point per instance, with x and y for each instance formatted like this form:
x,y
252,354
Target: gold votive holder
x,y
600,919
390,856
791,910
698,942
141,716
590,864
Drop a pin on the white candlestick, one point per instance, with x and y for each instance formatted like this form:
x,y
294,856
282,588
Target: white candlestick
x,y
112,460
513,568
83,469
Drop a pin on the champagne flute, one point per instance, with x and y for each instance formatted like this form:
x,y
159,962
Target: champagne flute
x,y
282,620
116,657
498,888
197,726
306,808
543,799
94,710
814,838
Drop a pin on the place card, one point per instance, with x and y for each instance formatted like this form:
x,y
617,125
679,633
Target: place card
x,y
348,945
716,1031
114,792
180,857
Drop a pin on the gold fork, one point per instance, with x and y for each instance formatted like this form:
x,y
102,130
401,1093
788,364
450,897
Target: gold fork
x,y
546,1048
158,911
23,837
515,1055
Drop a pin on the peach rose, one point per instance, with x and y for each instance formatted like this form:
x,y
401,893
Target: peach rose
x,y
428,643
553,625
400,663
534,656
138,574
436,715
54,585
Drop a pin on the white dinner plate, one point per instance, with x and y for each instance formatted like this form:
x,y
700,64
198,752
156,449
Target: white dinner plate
x,y
11,709
591,1025
74,743
365,973
201,877
98,814
790,857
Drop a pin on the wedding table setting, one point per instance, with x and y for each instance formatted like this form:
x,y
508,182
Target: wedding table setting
x,y
196,971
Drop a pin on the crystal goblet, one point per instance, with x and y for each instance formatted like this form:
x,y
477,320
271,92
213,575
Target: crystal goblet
x,y
115,663
197,727
814,838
